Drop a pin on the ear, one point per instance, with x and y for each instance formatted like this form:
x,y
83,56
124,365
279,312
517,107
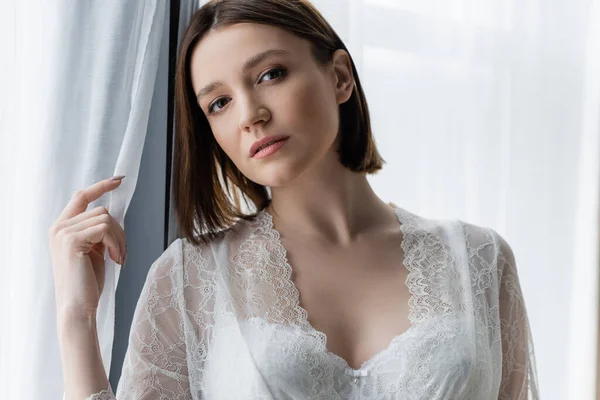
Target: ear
x,y
344,79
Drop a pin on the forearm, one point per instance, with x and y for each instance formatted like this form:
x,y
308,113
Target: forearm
x,y
83,371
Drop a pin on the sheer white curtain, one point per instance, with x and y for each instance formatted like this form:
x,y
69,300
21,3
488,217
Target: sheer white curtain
x,y
488,111
76,85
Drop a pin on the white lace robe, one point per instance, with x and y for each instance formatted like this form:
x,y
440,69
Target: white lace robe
x,y
224,322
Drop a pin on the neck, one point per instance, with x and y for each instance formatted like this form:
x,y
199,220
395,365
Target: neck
x,y
330,203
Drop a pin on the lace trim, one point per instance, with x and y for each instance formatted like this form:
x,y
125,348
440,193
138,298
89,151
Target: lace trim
x,y
428,261
418,247
106,394
294,295
261,249
431,273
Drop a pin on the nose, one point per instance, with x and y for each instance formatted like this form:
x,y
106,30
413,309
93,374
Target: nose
x,y
253,113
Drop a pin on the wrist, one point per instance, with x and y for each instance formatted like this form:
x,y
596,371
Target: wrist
x,y
72,313
71,322
83,370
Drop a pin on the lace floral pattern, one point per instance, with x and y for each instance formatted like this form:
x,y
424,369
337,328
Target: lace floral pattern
x,y
426,260
106,394
224,321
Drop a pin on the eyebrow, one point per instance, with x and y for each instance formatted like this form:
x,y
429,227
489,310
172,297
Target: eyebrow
x,y
249,64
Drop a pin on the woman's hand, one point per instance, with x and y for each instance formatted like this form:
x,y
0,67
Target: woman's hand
x,y
78,240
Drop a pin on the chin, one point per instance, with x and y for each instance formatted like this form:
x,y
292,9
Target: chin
x,y
276,174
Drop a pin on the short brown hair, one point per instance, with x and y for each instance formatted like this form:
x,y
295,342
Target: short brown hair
x,y
203,173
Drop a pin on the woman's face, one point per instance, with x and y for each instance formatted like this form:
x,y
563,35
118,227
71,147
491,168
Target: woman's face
x,y
256,81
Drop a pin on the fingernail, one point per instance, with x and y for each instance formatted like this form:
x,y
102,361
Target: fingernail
x,y
116,178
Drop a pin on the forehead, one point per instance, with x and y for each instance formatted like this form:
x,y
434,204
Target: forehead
x,y
225,49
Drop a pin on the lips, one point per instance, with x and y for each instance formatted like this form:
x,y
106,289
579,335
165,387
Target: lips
x,y
264,142
267,145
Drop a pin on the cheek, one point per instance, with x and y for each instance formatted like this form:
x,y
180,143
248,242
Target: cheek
x,y
227,140
311,109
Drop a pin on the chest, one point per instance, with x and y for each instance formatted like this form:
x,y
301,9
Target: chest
x,y
356,295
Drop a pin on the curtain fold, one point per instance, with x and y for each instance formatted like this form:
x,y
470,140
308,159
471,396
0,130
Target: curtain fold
x,y
82,80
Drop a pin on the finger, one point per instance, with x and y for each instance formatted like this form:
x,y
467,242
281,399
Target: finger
x,y
82,217
73,225
100,233
82,198
93,213
114,228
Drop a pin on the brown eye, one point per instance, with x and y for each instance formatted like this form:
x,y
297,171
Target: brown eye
x,y
217,102
273,74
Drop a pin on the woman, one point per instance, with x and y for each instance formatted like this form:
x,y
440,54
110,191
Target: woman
x,y
325,291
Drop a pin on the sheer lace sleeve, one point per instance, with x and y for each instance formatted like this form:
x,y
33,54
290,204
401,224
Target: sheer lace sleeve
x,y
518,380
155,365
